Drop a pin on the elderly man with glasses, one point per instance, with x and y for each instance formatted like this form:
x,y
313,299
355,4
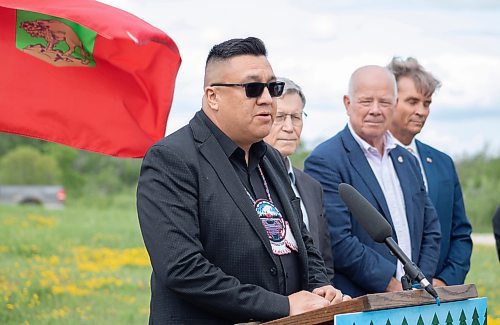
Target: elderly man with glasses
x,y
220,221
285,136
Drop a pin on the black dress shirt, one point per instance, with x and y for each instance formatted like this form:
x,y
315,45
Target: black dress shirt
x,y
252,180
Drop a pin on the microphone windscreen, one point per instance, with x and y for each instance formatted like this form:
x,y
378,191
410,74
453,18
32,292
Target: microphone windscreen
x,y
365,214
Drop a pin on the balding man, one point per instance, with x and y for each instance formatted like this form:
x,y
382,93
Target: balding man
x,y
218,216
366,156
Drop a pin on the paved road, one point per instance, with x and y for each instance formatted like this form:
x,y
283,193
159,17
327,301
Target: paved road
x,y
483,239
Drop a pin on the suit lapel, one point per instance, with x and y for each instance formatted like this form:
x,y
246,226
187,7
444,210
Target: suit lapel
x,y
305,198
285,194
431,175
360,163
400,161
211,150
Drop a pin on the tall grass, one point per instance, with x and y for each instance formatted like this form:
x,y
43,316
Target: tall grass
x,y
72,266
84,265
485,274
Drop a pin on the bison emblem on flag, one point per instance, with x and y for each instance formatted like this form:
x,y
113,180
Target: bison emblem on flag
x,y
54,40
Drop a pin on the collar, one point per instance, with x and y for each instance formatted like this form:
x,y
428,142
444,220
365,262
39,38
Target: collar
x,y
289,167
412,147
257,150
389,141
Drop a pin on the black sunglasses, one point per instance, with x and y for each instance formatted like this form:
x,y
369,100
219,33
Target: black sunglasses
x,y
255,89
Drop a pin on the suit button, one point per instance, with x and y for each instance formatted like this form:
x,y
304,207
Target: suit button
x,y
273,271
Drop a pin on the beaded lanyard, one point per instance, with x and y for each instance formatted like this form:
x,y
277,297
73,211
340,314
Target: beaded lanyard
x,y
265,187
277,229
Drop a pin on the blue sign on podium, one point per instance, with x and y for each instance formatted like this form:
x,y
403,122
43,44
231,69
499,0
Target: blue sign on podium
x,y
465,312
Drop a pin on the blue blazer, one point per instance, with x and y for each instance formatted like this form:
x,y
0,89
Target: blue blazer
x,y
361,265
446,195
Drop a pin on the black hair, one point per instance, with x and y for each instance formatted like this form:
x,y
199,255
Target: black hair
x,y
235,47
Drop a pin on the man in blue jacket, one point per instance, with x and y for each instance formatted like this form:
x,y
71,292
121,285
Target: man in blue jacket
x,y
415,89
366,156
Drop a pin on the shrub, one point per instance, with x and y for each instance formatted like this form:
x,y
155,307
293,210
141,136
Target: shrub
x,y
27,165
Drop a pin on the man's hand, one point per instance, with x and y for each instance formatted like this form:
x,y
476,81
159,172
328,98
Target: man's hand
x,y
438,283
394,285
331,294
303,301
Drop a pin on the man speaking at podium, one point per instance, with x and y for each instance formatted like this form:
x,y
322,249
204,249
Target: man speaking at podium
x,y
220,221
366,156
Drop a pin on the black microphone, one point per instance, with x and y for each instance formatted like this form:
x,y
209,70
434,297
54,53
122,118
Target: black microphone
x,y
380,231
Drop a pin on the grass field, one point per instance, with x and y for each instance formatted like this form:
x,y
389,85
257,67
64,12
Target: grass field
x,y
72,267
89,266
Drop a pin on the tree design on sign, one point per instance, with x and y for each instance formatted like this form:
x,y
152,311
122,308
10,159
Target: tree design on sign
x,y
435,320
475,318
449,319
462,318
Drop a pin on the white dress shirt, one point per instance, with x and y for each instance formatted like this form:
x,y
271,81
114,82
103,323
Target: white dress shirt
x,y
412,147
388,180
288,164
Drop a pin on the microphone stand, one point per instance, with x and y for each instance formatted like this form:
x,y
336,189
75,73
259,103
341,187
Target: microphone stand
x,y
406,282
412,272
380,231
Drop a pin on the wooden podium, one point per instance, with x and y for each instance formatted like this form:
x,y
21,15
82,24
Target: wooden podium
x,y
458,306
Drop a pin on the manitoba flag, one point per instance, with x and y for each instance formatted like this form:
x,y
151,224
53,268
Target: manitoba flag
x,y
84,74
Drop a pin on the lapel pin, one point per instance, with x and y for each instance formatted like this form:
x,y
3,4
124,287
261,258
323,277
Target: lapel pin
x,y
400,159
429,160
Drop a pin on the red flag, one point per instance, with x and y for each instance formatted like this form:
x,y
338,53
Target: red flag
x,y
84,74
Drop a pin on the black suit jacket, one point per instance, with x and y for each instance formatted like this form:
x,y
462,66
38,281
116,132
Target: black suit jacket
x,y
311,194
212,260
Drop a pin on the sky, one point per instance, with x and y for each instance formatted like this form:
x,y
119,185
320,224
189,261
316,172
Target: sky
x,y
319,43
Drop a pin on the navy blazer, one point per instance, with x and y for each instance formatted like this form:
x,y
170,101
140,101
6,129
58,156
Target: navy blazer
x,y
211,257
446,195
361,265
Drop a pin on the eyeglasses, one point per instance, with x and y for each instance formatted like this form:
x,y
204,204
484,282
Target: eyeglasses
x,y
296,118
255,89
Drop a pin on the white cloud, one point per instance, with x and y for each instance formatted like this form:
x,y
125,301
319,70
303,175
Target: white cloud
x,y
319,44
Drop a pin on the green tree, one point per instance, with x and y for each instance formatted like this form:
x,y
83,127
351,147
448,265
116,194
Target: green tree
x,y
73,179
449,319
27,165
420,321
300,156
480,179
9,142
462,318
475,318
435,320
404,322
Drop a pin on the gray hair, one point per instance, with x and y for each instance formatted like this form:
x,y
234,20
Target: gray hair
x,y
292,88
424,81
